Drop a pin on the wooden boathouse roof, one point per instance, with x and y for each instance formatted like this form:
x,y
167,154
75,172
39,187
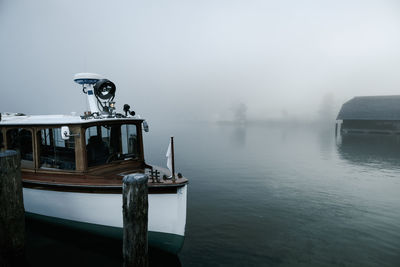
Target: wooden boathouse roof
x,y
371,108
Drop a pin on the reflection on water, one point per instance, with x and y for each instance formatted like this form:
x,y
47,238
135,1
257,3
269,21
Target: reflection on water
x,y
326,141
237,133
238,136
381,151
286,197
50,245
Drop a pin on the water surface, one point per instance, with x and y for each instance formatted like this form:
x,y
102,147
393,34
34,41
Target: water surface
x,y
283,196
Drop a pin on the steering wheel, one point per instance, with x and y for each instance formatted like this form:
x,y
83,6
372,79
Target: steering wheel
x,y
112,157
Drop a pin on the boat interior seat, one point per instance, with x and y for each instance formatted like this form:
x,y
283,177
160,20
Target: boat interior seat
x,y
97,151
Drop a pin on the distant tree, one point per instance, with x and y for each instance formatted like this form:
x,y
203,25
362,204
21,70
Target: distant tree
x,y
240,112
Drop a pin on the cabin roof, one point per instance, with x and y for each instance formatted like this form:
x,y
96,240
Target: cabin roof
x,y
371,108
11,119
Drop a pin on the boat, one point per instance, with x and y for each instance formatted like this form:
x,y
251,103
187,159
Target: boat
x,y
72,168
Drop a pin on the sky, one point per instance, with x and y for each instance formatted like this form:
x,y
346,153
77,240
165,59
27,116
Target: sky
x,y
197,60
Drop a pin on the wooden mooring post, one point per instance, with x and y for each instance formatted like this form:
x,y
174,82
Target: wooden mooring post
x,y
12,213
135,216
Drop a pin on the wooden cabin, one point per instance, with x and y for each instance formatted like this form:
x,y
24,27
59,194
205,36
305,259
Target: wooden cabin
x,y
93,143
370,114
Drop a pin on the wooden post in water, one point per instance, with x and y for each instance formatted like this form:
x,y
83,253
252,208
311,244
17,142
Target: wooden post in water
x,y
135,213
12,213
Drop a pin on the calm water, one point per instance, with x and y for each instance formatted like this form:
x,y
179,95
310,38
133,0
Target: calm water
x,y
268,196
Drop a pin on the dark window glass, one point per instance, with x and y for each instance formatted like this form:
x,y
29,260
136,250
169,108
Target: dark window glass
x,y
108,143
21,140
56,153
130,145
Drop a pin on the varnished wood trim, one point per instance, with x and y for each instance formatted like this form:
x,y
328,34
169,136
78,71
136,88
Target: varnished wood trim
x,y
27,170
36,150
3,131
140,137
57,171
80,153
116,164
169,189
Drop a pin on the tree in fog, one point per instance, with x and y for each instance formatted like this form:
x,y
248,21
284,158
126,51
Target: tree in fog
x,y
240,112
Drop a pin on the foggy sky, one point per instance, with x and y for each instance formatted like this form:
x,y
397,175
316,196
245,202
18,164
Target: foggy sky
x,y
194,60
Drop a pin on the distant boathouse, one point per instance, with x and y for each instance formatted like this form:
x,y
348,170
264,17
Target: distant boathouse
x,y
370,114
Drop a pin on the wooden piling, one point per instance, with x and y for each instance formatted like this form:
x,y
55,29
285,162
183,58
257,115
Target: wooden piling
x,y
12,213
135,216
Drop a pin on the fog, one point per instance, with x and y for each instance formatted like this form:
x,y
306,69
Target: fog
x,y
197,60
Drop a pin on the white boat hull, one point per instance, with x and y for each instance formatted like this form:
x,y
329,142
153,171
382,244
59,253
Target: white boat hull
x,y
167,212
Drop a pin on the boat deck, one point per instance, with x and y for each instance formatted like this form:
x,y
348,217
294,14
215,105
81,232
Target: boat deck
x,y
98,181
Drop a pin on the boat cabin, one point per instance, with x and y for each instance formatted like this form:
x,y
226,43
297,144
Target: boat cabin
x,y
95,149
90,145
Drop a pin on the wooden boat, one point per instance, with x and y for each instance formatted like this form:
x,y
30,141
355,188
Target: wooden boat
x,y
72,168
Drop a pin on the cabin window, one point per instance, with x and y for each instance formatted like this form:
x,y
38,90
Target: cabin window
x,y
129,140
56,153
21,141
107,143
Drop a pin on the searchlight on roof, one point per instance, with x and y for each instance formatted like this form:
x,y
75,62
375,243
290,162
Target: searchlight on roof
x,y
100,93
